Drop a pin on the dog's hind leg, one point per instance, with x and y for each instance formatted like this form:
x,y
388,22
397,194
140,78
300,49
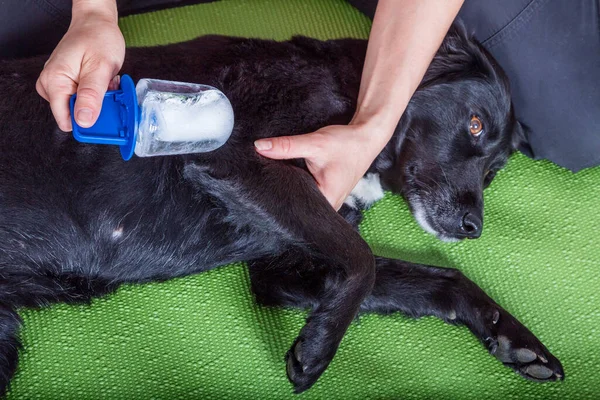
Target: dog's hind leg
x,y
314,228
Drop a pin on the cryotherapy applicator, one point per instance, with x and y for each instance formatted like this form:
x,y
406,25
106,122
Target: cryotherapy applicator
x,y
157,117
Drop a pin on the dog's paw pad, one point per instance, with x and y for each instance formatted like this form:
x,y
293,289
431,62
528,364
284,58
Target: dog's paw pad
x,y
507,354
525,355
537,371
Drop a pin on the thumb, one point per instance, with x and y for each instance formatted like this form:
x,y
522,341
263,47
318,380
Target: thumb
x,y
93,83
286,147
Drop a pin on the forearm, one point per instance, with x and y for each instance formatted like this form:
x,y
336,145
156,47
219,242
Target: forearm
x,y
404,38
106,9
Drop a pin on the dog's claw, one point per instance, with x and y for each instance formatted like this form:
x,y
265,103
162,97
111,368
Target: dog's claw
x,y
300,370
559,377
298,351
294,371
496,317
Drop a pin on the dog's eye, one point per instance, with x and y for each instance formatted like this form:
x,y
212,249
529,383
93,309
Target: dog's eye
x,y
476,126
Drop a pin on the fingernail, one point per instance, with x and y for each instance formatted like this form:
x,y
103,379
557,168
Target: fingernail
x,y
84,117
114,83
263,145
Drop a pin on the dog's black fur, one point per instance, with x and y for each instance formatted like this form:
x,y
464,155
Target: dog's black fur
x,y
76,221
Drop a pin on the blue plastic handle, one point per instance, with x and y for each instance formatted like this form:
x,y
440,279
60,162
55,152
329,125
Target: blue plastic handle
x,y
117,123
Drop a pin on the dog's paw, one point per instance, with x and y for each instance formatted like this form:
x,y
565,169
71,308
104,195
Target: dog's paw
x,y
516,347
304,368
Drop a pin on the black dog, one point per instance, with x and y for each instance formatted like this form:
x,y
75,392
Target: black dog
x,y
76,221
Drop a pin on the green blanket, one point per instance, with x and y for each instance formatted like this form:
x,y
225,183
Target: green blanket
x,y
203,337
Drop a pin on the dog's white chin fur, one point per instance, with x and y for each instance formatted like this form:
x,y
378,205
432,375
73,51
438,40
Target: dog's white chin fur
x,y
368,190
421,217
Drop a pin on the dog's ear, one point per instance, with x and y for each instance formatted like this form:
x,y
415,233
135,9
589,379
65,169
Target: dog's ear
x,y
457,41
519,139
457,56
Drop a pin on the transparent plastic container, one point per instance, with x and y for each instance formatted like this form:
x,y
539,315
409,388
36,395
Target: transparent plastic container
x,y
181,118
157,117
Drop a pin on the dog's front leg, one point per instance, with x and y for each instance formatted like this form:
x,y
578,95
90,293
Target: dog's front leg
x,y
291,197
418,290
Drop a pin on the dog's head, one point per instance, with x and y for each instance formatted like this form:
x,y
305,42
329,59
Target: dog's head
x,y
457,132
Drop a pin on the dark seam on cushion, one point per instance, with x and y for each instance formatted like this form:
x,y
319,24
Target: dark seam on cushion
x,y
510,29
59,18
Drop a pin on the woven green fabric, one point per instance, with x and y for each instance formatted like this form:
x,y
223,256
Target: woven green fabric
x,y
203,337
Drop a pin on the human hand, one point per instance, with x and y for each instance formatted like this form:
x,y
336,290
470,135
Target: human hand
x,y
337,156
87,61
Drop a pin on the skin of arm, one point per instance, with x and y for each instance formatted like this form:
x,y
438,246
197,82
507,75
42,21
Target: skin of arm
x,y
86,60
404,38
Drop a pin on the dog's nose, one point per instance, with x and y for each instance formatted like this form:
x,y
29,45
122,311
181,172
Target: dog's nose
x,y
471,225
